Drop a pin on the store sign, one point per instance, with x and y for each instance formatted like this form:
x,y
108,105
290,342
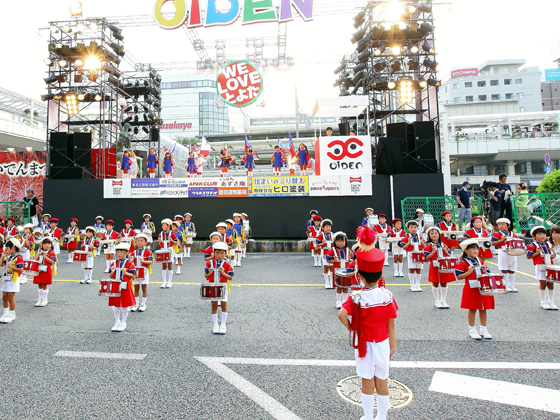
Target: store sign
x,y
324,185
464,72
177,126
343,156
239,83
355,185
225,12
278,186
552,75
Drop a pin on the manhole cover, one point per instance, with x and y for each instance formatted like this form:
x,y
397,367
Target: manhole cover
x,y
350,389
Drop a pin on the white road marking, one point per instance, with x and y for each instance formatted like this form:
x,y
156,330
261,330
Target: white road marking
x,y
272,406
496,391
100,355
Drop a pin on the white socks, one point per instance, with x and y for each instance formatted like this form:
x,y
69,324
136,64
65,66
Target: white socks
x,y
550,295
344,297
152,175
386,252
169,275
368,402
443,293
382,407
400,267
108,263
418,278
435,292
215,319
339,297
396,267
137,299
224,318
144,300
542,294
86,274
411,279
45,293
124,314
188,252
40,292
511,279
117,312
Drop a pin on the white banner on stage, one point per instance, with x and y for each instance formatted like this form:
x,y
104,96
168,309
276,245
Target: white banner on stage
x,y
356,185
116,188
324,185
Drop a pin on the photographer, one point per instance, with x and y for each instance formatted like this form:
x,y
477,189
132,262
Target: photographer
x,y
495,203
506,209
464,204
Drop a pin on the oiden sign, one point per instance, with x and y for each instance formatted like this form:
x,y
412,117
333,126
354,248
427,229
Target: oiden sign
x,y
343,156
189,12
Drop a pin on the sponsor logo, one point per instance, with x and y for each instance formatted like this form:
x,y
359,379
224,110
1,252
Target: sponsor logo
x,y
117,183
359,179
339,149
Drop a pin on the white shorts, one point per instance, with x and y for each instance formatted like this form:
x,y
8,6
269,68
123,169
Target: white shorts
x,y
178,256
109,250
88,263
383,245
238,249
189,240
506,262
10,286
225,296
376,362
413,266
25,254
397,250
145,280
56,246
539,275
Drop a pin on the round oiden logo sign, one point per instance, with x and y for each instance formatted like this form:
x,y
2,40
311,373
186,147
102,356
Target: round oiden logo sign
x,y
239,83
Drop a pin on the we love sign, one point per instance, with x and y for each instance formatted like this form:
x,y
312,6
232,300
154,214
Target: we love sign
x,y
190,12
239,83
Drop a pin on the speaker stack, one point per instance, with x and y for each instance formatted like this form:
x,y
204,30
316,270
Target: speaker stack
x,y
70,155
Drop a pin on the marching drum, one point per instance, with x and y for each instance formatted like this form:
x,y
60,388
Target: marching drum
x,y
446,264
106,244
126,239
553,273
80,256
212,291
148,232
137,232
162,255
100,232
110,288
340,279
515,247
372,220
418,257
30,268
491,284
38,232
427,221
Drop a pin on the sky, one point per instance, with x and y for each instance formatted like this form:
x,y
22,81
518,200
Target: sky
x,y
468,32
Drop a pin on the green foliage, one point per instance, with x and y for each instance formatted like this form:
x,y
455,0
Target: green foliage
x,y
550,183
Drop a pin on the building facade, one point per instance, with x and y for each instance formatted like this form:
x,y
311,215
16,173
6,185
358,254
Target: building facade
x,y
550,93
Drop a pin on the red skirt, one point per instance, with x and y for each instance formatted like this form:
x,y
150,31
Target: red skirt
x,y
434,276
450,243
472,299
72,245
44,277
485,253
126,298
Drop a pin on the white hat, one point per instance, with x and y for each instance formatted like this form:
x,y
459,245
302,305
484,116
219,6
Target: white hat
x,y
46,214
176,223
16,243
147,215
90,228
28,225
230,221
220,245
339,233
432,228
244,214
221,224
40,241
215,234
99,217
503,220
468,242
167,221
236,215
537,227
419,210
178,216
122,246
141,235
369,208
326,220
187,214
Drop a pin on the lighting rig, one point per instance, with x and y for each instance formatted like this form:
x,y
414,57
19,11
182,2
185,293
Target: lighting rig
x,y
87,91
394,64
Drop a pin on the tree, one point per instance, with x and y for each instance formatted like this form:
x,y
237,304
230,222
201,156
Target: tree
x,y
550,183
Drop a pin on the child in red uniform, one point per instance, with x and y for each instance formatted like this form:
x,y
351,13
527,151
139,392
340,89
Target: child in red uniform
x,y
28,250
222,230
398,252
373,311
128,232
224,274
56,234
448,225
109,251
143,261
89,244
176,239
477,230
47,259
468,269
338,256
11,227
124,270
313,231
433,250
11,266
165,244
413,242
209,252
71,238
506,263
325,243
383,228
542,255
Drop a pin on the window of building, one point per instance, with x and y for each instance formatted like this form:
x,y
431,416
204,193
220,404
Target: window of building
x,y
481,83
446,89
522,109
494,82
521,168
496,97
518,81
509,95
175,85
507,81
455,85
456,100
469,98
519,95
482,97
468,171
468,84
555,89
538,167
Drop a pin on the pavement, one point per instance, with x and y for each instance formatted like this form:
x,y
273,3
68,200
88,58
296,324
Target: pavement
x,y
282,357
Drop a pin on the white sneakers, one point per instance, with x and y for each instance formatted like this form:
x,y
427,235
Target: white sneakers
x,y
415,288
395,274
216,329
223,329
116,326
169,285
338,304
545,305
473,333
163,285
44,302
485,334
88,281
142,307
7,318
444,304
119,327
552,305
107,270
439,304
38,302
134,307
178,270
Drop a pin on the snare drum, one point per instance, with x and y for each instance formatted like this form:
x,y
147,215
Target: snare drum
x,y
30,268
163,255
553,273
515,247
80,256
428,221
148,232
340,279
211,291
446,264
110,288
100,233
418,257
492,284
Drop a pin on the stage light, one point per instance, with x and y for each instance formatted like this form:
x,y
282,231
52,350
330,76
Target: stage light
x,y
127,120
155,77
127,109
47,97
379,84
54,29
157,105
66,29
379,50
93,26
391,84
396,66
152,117
52,47
114,29
61,78
119,37
92,77
76,8
357,77
430,63
428,48
422,82
363,57
359,67
72,104
145,116
92,63
413,48
411,9
379,66
136,118
114,81
78,78
98,97
340,68
358,36
116,47
51,80
49,62
136,130
413,65
434,82
63,63
360,16
426,27
81,48
338,82
80,27
344,93
363,44
78,63
359,23
112,70
81,97
57,96
146,130
396,50
424,8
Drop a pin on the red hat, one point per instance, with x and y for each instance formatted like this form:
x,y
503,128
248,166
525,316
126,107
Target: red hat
x,y
370,261
317,217
445,212
128,221
474,218
73,219
54,219
395,221
366,237
110,222
382,215
12,219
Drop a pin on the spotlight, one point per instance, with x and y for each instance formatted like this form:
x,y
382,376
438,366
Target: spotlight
x,y
49,62
80,27
357,36
127,109
422,82
413,48
396,66
114,29
155,77
146,130
117,47
379,50
98,97
145,116
359,67
112,70
379,84
136,130
157,105
51,80
118,37
76,8
127,119
411,9
63,63
379,66
340,68
363,44
114,81
57,96
81,48
434,82
426,27
66,29
72,104
92,77
391,84
413,65
396,50
424,8
357,77
78,78
47,97
152,117
92,63
78,63
61,78
93,26
54,29
338,82
360,16
363,57
430,63
52,47
81,97
359,23
428,48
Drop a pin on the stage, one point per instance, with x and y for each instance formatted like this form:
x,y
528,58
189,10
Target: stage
x,y
270,217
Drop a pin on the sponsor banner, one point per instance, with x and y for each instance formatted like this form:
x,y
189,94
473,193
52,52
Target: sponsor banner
x,y
464,72
144,188
232,187
356,185
116,188
232,192
344,156
173,188
203,192
324,185
174,182
278,186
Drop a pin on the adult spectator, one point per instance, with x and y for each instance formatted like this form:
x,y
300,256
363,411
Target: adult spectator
x,y
464,201
495,204
506,209
33,203
329,131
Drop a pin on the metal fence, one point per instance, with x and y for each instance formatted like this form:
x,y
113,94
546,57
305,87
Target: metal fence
x,y
19,210
436,206
530,210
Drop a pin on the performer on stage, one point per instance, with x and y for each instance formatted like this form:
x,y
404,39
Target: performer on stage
x,y
28,247
313,232
373,311
152,162
191,165
398,252
542,255
277,159
143,260
225,272
325,242
11,266
110,235
469,268
413,243
303,159
383,228
125,164
188,231
506,263
434,250
240,232
165,244
448,225
168,165
47,260
338,255
91,245
249,161
477,230
124,270
72,237
225,159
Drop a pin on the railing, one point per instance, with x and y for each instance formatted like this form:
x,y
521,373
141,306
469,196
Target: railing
x,y
19,210
435,206
530,210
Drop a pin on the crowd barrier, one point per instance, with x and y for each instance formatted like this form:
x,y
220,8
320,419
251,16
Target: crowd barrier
x,y
19,210
535,209
435,206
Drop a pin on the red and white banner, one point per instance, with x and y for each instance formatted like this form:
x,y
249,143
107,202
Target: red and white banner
x,y
239,83
464,72
343,156
20,171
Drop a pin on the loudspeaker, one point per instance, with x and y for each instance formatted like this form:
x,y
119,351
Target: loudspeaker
x,y
154,135
344,129
420,166
425,149
58,141
388,160
397,130
82,157
82,140
423,130
59,149
57,172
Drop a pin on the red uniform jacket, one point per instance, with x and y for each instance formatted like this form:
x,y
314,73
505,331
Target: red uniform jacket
x,y
472,299
545,249
444,226
126,298
212,264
